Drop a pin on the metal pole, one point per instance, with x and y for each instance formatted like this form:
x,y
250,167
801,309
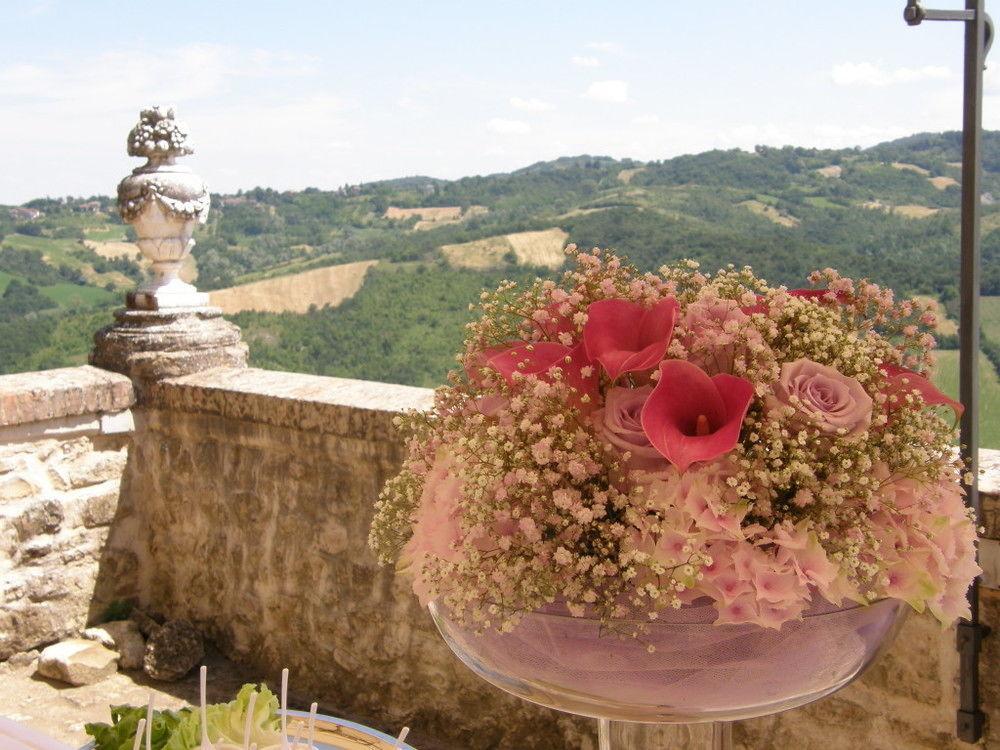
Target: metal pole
x,y
970,719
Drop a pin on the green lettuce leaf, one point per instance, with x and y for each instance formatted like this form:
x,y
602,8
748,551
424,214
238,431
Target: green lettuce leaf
x,y
120,733
226,721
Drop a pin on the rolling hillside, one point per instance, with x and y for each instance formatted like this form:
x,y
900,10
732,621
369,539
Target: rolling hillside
x,y
298,268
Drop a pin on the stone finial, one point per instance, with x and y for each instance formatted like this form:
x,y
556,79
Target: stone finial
x,y
163,202
158,135
168,328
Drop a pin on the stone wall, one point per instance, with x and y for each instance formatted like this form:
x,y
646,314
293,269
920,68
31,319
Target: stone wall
x,y
63,444
270,478
258,491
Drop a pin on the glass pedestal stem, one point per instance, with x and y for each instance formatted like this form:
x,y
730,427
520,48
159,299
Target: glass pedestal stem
x,y
603,734
628,736
722,735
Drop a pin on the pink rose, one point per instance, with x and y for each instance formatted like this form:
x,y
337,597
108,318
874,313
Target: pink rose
x,y
830,401
619,422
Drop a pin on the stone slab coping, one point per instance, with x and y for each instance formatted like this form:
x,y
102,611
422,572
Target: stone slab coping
x,y
65,392
286,399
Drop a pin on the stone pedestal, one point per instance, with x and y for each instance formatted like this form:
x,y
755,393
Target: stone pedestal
x,y
149,345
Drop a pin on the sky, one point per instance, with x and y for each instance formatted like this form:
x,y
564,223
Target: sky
x,y
296,94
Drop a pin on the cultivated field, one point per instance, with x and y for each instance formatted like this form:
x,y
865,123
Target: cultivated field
x,y
910,168
295,293
909,210
112,250
941,183
946,378
770,212
434,216
913,211
543,248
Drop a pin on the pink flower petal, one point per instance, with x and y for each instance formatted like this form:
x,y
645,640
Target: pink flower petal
x,y
627,337
691,417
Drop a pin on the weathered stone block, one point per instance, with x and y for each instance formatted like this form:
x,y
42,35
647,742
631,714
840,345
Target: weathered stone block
x,y
15,487
122,636
94,468
43,517
99,509
77,661
34,397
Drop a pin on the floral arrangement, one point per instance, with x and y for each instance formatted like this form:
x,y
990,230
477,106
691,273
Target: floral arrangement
x,y
621,443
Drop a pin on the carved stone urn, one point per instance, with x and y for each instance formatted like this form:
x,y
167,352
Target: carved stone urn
x,y
167,328
164,202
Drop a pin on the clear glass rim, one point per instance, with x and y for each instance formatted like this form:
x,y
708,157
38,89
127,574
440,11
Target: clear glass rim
x,y
438,608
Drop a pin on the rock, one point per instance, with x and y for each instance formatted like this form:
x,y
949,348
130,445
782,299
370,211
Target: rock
x,y
124,637
172,651
23,659
147,625
77,661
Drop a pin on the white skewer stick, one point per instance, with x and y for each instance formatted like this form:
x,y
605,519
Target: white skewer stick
x,y
138,734
246,724
203,678
312,724
149,723
402,736
284,709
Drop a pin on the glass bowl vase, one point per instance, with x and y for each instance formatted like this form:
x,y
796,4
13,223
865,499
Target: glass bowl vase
x,y
684,669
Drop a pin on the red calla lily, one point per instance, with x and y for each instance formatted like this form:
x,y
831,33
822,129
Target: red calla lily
x,y
900,381
691,417
539,358
627,337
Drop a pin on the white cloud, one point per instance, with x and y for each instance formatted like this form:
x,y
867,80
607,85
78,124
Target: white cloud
x,y
877,74
607,91
530,105
646,120
508,127
607,47
585,61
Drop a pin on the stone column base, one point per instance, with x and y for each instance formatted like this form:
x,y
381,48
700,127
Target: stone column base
x,y
149,345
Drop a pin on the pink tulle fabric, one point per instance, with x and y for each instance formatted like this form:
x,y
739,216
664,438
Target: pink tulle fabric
x,y
695,672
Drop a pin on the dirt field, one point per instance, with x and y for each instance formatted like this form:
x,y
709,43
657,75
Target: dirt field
x,y
770,212
544,248
297,292
434,216
910,168
942,183
112,250
912,211
834,170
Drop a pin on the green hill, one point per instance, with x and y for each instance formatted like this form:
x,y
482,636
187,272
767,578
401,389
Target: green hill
x,y
889,212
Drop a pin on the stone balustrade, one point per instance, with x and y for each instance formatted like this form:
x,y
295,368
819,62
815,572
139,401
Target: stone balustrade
x,y
242,501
